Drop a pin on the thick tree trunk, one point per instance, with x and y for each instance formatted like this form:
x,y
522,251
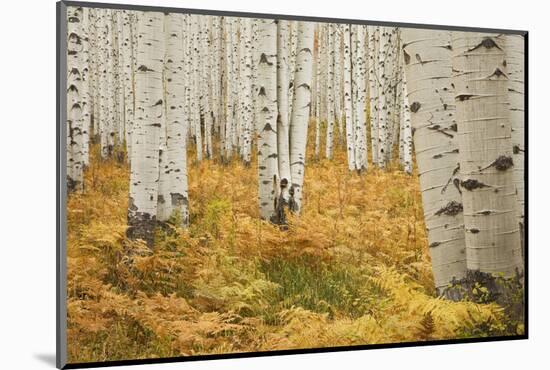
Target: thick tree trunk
x,y
515,63
300,111
486,162
144,171
427,59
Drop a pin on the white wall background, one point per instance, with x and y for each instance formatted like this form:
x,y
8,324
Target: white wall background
x,y
27,182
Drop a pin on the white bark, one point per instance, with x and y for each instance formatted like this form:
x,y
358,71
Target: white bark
x,y
407,130
373,90
195,95
300,110
486,165
360,95
330,92
382,97
144,171
427,58
230,130
75,118
268,171
348,108
283,138
515,64
248,104
173,198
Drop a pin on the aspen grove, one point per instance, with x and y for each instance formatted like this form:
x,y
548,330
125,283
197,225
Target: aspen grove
x,y
305,120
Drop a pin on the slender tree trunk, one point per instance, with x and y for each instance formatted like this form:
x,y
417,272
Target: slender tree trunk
x,y
248,105
195,95
283,138
348,107
427,57
360,115
144,171
338,82
268,170
330,92
300,111
75,118
486,163
407,130
173,198
229,108
373,91
382,97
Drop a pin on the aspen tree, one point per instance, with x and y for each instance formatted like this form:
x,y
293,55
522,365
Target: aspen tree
x,y
248,104
75,119
283,126
230,81
172,197
149,119
196,77
407,130
268,170
206,85
86,92
486,163
373,90
338,82
515,65
330,92
382,97
427,59
348,108
300,111
360,75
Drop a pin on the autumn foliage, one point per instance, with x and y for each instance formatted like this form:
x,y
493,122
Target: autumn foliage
x,y
353,269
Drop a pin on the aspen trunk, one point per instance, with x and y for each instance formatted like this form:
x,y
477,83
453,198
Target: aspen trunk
x,y
407,130
330,92
360,74
283,138
348,108
75,119
382,97
248,104
515,64
268,170
144,170
300,111
173,198
427,58
373,91
486,163
195,95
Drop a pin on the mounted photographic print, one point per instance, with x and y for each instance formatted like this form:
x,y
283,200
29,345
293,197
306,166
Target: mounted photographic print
x,y
238,185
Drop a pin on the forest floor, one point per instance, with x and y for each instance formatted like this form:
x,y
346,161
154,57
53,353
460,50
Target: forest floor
x,y
353,269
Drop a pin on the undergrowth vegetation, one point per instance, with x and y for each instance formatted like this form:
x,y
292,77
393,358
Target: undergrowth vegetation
x,y
353,269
